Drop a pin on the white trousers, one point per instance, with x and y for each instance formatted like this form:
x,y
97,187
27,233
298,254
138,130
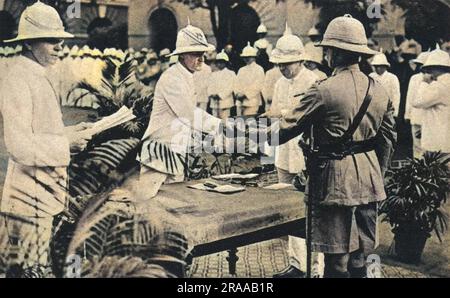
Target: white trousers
x,y
297,246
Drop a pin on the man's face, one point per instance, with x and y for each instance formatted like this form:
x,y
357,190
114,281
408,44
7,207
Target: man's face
x,y
432,73
290,70
380,69
220,64
45,51
193,61
249,60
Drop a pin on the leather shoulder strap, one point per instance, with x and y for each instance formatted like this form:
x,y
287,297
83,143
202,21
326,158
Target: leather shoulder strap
x,y
348,135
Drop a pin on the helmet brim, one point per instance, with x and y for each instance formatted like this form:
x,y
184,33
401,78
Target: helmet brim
x,y
61,35
356,48
192,49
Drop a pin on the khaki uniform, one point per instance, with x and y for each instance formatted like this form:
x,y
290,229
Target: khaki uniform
x,y
351,187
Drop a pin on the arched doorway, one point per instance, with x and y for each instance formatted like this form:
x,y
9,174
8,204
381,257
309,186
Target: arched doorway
x,y
7,25
163,29
98,33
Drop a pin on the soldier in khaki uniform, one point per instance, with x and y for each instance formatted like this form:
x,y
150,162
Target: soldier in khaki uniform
x,y
348,178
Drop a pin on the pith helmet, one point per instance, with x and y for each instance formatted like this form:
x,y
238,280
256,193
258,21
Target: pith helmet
x,y
222,56
313,32
289,49
192,39
348,34
379,60
261,29
249,51
422,58
173,60
437,57
40,21
313,53
164,52
261,44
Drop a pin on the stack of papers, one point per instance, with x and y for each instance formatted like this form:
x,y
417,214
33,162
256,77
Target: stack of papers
x,y
224,189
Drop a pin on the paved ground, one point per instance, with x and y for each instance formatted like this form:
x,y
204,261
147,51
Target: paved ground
x,y
264,259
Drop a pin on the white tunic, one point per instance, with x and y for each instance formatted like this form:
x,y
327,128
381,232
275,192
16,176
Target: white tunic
x,y
289,156
391,83
201,79
250,82
174,112
413,114
35,140
434,99
221,83
271,77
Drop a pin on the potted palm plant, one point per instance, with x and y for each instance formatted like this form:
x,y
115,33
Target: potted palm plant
x,y
413,208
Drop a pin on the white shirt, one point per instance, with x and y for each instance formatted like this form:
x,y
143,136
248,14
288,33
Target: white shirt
x,y
412,113
32,119
174,112
201,79
221,83
434,99
289,156
250,82
271,77
392,86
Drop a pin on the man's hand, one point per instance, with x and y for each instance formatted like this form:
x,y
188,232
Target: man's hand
x,y
79,127
78,140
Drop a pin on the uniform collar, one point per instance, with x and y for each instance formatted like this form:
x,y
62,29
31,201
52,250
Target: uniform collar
x,y
186,73
353,67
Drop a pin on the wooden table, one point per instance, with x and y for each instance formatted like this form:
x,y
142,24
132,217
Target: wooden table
x,y
213,222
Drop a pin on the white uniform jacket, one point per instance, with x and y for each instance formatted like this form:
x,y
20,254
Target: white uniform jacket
x,y
289,156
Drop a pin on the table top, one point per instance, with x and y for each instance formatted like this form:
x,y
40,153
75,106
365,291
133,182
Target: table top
x,y
205,216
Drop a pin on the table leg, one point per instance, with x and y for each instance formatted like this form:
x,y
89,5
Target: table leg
x,y
232,260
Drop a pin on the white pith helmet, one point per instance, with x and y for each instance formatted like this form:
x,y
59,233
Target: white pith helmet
x,y
191,39
40,21
289,48
249,51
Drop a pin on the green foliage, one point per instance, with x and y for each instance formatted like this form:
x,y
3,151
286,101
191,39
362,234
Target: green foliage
x,y
416,194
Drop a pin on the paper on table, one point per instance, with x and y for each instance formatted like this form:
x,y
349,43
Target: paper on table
x,y
123,115
235,176
280,186
224,189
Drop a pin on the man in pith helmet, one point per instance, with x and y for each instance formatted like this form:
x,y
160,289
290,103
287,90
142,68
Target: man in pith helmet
x,y
174,116
37,142
346,159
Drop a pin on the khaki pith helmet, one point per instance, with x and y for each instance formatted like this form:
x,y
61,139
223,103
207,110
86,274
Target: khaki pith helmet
x,y
348,34
40,21
191,39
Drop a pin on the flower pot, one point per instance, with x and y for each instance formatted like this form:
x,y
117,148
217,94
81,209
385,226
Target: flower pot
x,y
409,246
